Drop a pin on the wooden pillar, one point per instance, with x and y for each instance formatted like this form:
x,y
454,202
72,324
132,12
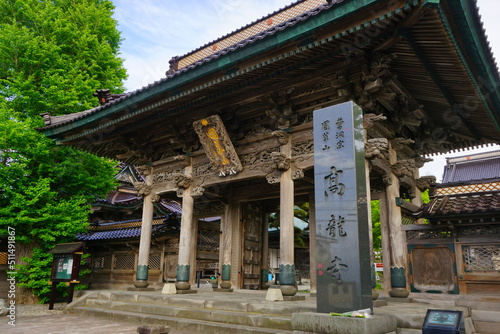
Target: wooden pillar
x,y
141,276
386,242
226,245
287,261
397,235
370,223
264,263
312,243
418,195
186,236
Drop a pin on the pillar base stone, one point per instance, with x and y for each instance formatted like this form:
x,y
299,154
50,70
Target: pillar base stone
x,y
399,293
169,289
180,285
140,284
225,284
288,290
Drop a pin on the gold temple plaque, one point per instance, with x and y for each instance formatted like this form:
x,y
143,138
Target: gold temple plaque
x,y
217,144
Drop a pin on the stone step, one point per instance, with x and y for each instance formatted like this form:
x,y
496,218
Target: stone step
x,y
481,305
257,306
412,317
182,324
234,317
487,327
486,321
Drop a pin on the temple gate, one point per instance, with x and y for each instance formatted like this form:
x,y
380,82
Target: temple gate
x,y
231,123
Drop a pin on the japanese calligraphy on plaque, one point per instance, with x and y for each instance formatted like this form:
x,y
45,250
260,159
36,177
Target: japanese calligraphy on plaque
x,y
217,144
341,212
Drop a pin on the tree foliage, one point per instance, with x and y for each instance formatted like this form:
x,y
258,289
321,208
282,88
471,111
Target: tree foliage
x,y
53,56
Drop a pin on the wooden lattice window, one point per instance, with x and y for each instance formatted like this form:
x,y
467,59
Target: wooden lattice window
x,y
481,258
154,261
124,261
208,240
102,262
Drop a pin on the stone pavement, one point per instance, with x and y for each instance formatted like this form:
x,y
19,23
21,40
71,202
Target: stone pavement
x,y
69,324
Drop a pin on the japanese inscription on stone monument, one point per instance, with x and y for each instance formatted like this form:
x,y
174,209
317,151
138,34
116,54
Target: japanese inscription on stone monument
x,y
343,258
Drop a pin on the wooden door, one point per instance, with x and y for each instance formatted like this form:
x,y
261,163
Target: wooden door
x,y
252,245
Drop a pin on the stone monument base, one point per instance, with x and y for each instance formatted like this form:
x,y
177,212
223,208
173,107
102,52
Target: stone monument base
x,y
141,289
294,298
186,292
222,290
312,323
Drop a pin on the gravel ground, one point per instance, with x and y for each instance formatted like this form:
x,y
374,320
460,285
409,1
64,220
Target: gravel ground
x,y
30,310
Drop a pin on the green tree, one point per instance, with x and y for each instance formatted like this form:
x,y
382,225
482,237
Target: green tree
x,y
53,56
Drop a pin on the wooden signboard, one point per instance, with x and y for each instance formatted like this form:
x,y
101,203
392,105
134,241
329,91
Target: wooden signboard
x,y
65,268
218,146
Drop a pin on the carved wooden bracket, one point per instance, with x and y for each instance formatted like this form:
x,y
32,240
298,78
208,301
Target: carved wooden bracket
x,y
197,192
182,181
403,169
420,161
273,177
142,189
281,160
184,160
282,137
425,182
400,143
280,112
155,198
370,119
297,173
144,170
377,153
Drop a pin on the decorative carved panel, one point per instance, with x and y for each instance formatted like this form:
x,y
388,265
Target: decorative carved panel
x,y
433,269
217,144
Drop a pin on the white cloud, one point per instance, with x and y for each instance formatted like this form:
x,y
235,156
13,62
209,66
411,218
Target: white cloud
x,y
155,31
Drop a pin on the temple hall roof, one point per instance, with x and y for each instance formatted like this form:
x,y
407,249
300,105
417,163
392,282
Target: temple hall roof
x,y
313,46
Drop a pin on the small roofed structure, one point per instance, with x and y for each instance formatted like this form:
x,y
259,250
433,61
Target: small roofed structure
x,y
458,251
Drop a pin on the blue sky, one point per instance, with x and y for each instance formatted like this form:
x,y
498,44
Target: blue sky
x,y
156,30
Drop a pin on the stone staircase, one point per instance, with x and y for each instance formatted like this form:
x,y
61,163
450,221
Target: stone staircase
x,y
191,314
248,312
484,310
485,314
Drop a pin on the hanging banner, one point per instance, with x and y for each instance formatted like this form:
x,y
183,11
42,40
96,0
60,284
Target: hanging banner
x,y
218,146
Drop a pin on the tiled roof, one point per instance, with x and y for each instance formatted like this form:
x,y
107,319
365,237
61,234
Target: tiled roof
x,y
122,230
54,121
463,204
125,233
472,168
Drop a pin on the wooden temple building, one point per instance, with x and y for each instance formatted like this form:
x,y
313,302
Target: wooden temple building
x,y
462,237
228,132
